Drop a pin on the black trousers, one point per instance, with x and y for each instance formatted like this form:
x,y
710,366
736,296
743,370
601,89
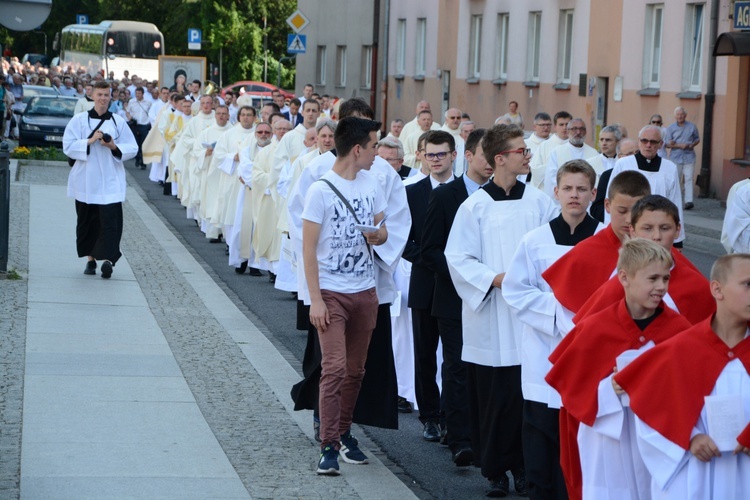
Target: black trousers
x,y
455,392
99,231
378,396
541,452
496,411
140,132
426,337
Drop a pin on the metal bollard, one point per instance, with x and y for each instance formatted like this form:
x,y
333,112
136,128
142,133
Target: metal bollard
x,y
4,206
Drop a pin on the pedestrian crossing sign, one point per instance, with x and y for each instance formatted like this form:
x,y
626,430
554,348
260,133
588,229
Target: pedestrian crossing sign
x,y
296,43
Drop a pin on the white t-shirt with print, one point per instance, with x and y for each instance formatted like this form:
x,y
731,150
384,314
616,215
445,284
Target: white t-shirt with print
x,y
344,262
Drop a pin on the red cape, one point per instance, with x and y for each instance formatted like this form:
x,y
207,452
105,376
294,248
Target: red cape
x,y
589,353
667,384
687,286
575,276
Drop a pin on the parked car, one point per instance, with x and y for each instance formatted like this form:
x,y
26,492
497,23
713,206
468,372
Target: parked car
x,y
36,58
44,120
30,91
256,88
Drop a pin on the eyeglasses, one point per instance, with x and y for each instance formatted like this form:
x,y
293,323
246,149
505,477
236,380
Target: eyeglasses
x,y
653,142
263,132
436,156
454,117
521,151
655,122
393,161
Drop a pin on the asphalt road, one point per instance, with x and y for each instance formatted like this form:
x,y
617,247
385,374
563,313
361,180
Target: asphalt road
x,y
426,467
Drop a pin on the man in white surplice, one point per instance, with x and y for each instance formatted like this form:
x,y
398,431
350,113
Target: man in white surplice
x,y
486,231
203,150
538,164
574,149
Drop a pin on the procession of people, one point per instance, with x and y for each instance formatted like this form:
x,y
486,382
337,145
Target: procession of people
x,y
464,273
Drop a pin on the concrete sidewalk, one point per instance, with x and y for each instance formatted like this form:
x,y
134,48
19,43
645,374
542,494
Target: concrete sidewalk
x,y
152,384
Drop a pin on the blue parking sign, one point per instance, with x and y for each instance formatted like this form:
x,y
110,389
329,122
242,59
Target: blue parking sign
x,y
82,19
195,37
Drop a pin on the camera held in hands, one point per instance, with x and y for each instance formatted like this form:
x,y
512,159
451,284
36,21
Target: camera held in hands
x,y
106,138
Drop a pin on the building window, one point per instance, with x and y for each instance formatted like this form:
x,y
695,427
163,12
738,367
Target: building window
x,y
366,71
419,65
401,47
533,46
565,47
475,52
501,47
652,46
341,65
693,62
320,74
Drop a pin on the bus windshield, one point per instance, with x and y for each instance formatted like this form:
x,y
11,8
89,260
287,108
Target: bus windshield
x,y
113,47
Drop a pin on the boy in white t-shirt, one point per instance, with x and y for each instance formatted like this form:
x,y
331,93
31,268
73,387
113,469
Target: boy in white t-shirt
x,y
340,275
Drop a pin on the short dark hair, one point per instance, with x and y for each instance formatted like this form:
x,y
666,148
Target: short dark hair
x,y
352,131
630,183
475,136
139,89
562,114
270,117
239,111
309,85
198,82
496,139
422,139
577,167
274,106
296,102
425,112
101,85
542,116
441,137
356,106
311,101
654,203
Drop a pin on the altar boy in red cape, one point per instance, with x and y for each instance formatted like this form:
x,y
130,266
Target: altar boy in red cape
x,y
584,362
671,389
656,218
577,275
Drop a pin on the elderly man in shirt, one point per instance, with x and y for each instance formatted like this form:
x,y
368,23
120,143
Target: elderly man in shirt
x,y
681,139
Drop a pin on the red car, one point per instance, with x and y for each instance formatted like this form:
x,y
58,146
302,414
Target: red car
x,y
256,88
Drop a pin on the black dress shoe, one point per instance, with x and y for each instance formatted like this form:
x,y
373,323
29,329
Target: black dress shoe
x,y
90,268
255,272
106,269
689,206
519,482
463,457
271,277
215,240
404,406
499,487
241,269
431,432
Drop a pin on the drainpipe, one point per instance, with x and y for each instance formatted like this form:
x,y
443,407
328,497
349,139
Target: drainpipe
x,y
704,178
386,37
374,61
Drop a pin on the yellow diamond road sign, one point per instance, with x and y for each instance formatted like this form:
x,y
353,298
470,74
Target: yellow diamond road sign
x,y
298,21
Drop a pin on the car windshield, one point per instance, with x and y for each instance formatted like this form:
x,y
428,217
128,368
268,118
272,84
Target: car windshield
x,y
41,106
29,92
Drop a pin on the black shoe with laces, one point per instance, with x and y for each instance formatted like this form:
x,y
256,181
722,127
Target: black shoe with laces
x,y
404,406
431,432
90,268
106,269
499,487
519,482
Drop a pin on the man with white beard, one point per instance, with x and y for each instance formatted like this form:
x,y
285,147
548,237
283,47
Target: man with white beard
x,y
266,237
574,149
239,239
182,155
226,157
203,150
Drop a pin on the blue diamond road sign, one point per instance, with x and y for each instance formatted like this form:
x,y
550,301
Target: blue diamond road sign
x,y
296,43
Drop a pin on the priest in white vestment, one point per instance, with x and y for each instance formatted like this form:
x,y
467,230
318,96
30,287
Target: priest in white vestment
x,y
538,164
735,232
182,155
203,149
574,149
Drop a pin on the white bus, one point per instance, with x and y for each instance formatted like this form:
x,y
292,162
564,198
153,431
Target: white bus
x,y
113,46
